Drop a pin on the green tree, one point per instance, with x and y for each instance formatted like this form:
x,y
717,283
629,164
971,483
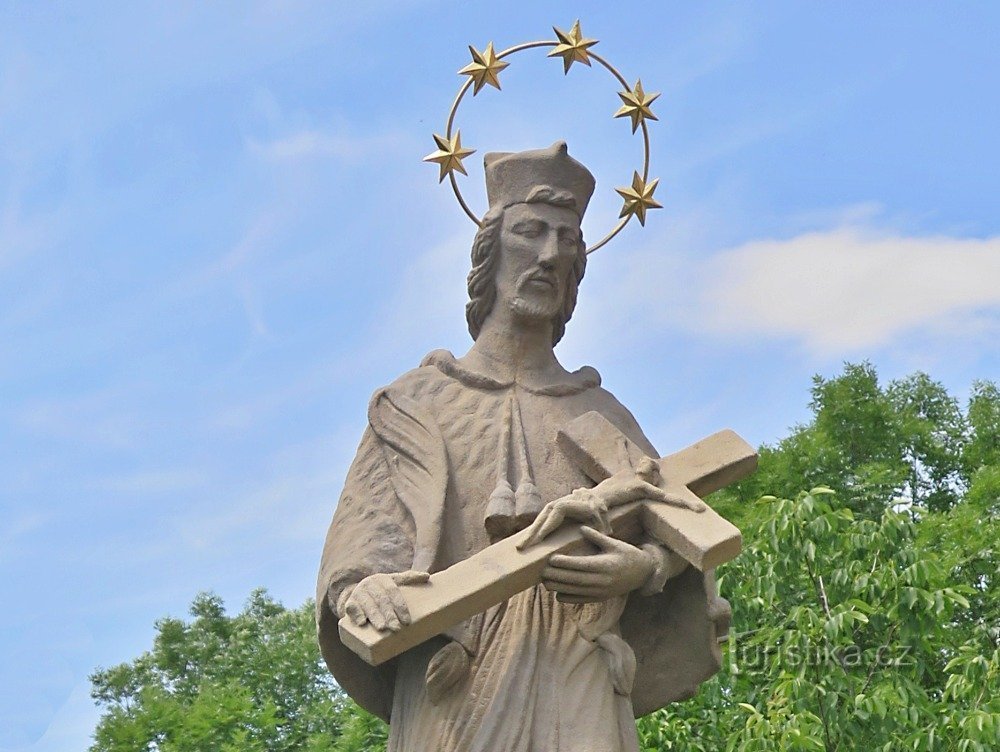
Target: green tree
x,y
856,633
866,611
245,683
868,617
983,449
878,447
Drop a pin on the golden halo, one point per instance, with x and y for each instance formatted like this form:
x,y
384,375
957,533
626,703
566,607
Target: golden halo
x,y
572,47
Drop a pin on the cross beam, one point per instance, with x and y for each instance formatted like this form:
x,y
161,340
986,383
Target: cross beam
x,y
500,571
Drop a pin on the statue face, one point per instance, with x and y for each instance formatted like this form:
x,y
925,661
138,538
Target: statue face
x,y
538,248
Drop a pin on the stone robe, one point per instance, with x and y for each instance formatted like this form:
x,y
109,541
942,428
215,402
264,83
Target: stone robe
x,y
542,676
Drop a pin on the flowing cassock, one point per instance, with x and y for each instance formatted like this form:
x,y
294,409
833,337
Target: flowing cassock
x,y
542,676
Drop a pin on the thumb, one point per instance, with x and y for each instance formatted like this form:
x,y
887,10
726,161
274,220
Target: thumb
x,y
599,539
410,577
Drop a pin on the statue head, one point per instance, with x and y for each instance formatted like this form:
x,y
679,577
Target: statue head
x,y
529,254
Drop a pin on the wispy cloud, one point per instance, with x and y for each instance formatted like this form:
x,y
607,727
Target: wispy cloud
x,y
95,419
836,293
23,233
848,290
427,307
19,526
320,144
290,500
74,721
157,481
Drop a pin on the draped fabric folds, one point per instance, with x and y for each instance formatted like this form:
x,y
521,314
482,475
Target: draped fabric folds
x,y
543,676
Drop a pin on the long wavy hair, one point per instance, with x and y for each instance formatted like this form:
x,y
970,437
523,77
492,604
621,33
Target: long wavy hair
x,y
485,254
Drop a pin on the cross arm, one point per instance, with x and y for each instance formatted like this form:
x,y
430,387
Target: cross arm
x,y
705,539
500,571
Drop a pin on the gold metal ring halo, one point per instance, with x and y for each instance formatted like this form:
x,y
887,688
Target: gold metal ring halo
x,y
573,48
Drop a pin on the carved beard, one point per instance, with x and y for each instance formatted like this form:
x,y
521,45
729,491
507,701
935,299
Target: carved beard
x,y
534,305
534,308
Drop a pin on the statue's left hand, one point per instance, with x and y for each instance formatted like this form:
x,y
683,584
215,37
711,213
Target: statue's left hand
x,y
618,568
583,505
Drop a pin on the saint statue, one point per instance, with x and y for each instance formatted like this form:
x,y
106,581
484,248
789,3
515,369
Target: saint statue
x,y
462,452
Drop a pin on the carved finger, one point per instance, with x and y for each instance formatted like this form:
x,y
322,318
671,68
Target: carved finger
x,y
548,520
603,541
364,600
584,591
389,617
534,529
356,613
602,518
646,490
382,592
401,611
385,618
411,577
581,563
591,509
552,522
575,577
383,598
339,603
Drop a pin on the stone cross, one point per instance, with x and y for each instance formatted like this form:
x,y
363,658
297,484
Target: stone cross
x,y
702,538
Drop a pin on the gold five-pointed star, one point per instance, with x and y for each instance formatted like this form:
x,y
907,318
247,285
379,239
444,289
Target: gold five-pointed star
x,y
636,105
572,47
639,198
484,68
449,154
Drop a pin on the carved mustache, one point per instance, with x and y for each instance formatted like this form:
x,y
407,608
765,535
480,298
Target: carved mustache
x,y
538,275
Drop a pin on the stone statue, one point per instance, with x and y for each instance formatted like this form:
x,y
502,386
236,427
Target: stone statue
x,y
489,502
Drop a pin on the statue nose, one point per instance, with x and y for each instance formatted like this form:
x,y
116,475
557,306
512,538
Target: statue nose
x,y
549,252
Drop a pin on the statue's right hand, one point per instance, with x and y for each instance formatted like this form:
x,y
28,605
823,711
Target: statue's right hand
x,y
378,600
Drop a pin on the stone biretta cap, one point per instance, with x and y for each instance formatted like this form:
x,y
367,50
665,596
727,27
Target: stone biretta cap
x,y
512,176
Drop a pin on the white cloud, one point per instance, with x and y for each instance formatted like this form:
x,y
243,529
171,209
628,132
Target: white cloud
x,y
837,293
848,290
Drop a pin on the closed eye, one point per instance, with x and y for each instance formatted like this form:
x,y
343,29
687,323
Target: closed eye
x,y
530,228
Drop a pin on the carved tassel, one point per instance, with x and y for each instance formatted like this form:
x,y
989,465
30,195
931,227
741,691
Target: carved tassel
x,y
499,520
500,510
528,499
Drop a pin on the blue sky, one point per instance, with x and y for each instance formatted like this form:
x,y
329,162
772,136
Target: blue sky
x,y
217,239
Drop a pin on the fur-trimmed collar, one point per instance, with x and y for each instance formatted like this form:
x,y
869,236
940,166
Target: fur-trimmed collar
x,y
574,383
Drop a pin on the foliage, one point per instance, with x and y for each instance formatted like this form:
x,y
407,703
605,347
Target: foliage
x,y
866,611
870,615
879,445
246,683
857,633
